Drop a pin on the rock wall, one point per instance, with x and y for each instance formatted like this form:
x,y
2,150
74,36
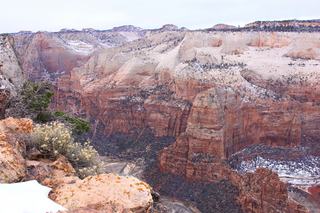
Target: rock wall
x,y
225,90
161,72
10,66
262,191
49,55
11,73
221,123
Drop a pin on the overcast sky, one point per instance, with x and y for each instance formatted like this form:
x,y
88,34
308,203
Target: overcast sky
x,y
53,15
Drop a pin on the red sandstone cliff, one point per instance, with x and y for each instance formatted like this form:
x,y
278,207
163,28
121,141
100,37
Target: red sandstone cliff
x,y
217,92
262,191
160,77
222,122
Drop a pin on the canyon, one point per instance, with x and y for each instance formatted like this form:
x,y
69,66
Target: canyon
x,y
200,104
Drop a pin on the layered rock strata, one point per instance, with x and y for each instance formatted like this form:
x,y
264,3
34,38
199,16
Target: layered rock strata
x,y
217,92
222,122
48,55
160,75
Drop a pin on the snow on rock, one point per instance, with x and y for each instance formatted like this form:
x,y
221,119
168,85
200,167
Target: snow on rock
x,y
27,197
306,168
80,46
302,169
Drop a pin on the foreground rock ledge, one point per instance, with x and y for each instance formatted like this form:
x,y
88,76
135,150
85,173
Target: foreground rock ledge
x,y
95,194
127,191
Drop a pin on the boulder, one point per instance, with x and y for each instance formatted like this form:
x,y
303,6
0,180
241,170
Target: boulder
x,y
103,189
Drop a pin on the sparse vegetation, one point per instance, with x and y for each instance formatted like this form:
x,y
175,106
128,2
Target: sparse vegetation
x,y
78,125
206,196
32,101
55,138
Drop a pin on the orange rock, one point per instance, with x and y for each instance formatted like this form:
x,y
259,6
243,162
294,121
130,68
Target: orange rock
x,y
77,195
13,165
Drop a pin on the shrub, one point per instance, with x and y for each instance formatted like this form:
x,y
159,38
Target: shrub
x,y
78,125
55,138
32,101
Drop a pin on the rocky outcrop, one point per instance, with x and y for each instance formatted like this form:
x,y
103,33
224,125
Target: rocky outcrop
x,y
102,193
169,27
127,191
106,192
12,151
315,193
126,28
11,74
262,191
222,122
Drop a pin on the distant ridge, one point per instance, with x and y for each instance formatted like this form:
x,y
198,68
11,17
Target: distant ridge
x,y
295,25
293,22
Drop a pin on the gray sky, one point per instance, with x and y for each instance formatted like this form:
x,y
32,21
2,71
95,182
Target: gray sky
x,y
53,15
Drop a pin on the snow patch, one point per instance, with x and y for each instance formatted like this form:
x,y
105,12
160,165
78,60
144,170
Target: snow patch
x,y
304,171
80,46
27,197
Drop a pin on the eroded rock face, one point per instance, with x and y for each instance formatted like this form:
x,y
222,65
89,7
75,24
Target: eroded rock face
x,y
9,62
221,122
157,79
262,191
11,73
49,55
208,89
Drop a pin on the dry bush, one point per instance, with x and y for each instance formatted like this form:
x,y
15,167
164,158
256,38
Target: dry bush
x,y
55,138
